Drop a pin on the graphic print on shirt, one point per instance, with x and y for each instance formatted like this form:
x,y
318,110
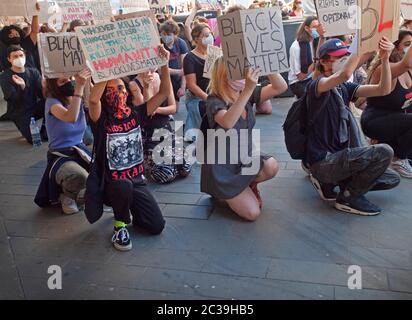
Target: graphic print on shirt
x,y
408,101
124,150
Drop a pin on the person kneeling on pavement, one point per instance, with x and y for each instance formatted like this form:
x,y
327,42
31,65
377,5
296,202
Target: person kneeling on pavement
x,y
334,148
68,158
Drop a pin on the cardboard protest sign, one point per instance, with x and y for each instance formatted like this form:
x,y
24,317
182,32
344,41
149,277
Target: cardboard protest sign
x,y
144,13
212,54
18,8
406,9
210,4
75,10
253,38
60,54
336,16
100,9
117,49
129,6
6,21
379,18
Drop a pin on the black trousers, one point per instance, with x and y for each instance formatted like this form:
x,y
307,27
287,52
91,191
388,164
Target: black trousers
x,y
125,198
22,121
393,128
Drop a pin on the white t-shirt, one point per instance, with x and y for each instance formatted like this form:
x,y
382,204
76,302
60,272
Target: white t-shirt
x,y
294,62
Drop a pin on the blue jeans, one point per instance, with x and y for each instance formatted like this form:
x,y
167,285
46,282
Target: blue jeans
x,y
193,118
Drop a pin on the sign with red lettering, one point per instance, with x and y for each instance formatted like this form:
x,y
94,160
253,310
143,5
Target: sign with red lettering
x,y
406,9
253,38
379,18
121,48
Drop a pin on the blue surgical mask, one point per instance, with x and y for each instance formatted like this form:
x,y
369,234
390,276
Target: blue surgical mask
x,y
208,40
315,34
168,39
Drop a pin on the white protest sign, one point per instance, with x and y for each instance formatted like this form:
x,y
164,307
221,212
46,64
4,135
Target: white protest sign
x,y
129,6
336,16
117,49
253,38
100,9
144,13
210,4
18,8
379,18
157,5
49,12
406,9
61,54
75,10
212,54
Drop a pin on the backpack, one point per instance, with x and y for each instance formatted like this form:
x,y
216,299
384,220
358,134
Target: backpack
x,y
297,126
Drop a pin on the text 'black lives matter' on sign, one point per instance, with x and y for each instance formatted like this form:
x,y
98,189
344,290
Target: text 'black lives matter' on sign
x,y
379,18
406,9
336,16
253,38
117,49
60,54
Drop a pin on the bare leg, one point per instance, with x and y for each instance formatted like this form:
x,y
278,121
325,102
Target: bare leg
x,y
245,205
269,170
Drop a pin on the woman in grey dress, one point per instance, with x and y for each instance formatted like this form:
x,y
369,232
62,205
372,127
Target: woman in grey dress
x,y
230,107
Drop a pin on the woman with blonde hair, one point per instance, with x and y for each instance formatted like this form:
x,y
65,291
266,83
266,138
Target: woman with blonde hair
x,y
229,107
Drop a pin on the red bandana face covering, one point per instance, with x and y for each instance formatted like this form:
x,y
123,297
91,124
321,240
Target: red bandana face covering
x,y
117,101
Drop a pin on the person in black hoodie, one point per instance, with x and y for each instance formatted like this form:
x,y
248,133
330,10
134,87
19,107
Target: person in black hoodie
x,y
117,172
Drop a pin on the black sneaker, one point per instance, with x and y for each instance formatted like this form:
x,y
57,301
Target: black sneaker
x,y
325,190
356,205
121,239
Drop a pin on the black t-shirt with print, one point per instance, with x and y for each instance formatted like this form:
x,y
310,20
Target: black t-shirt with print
x,y
124,146
194,64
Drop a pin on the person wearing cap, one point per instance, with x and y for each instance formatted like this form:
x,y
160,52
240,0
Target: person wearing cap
x,y
334,147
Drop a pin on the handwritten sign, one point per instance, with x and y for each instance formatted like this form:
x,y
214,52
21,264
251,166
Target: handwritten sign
x,y
61,54
75,10
253,38
144,13
18,8
49,12
210,4
406,9
336,16
129,6
379,18
101,10
117,49
158,5
212,54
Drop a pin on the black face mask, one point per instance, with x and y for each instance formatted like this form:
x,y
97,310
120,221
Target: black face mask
x,y
15,40
67,90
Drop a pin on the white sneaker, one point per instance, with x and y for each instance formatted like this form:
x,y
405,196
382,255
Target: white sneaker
x,y
69,206
403,167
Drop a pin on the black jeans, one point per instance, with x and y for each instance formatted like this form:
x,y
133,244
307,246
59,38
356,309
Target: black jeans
x,y
299,88
125,198
393,128
358,170
22,122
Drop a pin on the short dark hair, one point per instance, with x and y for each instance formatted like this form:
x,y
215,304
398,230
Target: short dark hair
x,y
169,26
52,91
13,48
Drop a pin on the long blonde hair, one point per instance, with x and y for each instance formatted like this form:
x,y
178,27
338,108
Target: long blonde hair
x,y
218,85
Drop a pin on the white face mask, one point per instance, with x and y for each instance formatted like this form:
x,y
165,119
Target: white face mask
x,y
168,39
208,41
339,64
406,49
19,62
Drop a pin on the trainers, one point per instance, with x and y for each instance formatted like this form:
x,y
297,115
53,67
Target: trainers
x,y
305,167
403,167
69,206
356,205
325,190
121,239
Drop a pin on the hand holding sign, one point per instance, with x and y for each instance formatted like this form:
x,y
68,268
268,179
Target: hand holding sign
x,y
82,77
385,48
251,78
163,53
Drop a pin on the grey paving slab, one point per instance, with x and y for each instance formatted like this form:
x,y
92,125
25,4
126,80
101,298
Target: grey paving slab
x,y
400,280
342,293
325,273
37,289
187,211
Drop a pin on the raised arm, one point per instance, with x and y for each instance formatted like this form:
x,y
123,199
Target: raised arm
x,y
165,84
227,119
188,22
95,106
71,114
35,25
385,84
276,87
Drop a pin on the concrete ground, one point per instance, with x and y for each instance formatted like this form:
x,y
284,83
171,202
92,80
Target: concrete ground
x,y
300,248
